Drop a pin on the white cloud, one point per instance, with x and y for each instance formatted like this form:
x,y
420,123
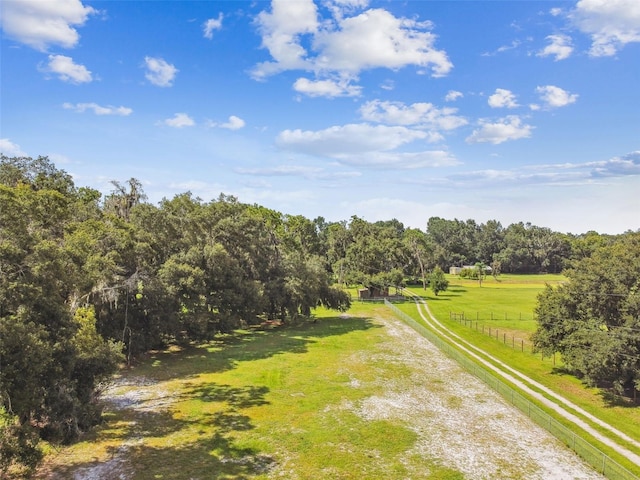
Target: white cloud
x,y
366,145
67,70
453,95
312,173
554,174
611,24
419,114
159,72
10,149
344,45
340,141
375,39
504,48
212,24
326,88
40,23
97,109
400,160
281,31
508,128
559,46
179,120
234,123
503,99
388,85
340,8
627,165
555,97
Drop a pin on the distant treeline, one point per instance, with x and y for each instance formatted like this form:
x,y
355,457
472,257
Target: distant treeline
x,y
87,281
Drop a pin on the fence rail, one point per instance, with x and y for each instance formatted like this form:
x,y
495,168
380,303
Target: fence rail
x,y
493,316
588,452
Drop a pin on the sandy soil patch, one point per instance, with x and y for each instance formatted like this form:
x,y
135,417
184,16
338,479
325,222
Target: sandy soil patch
x,y
460,421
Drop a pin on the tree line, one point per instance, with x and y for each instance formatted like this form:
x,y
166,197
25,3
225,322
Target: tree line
x,y
88,281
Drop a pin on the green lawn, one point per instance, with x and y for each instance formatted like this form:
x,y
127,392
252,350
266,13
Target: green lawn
x,y
505,304
255,399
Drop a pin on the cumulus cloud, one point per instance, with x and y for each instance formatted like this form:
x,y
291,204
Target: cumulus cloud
x,y
159,72
326,88
366,145
611,24
211,25
179,120
555,97
67,70
508,128
97,109
344,45
7,147
339,141
424,115
39,23
281,32
234,123
503,99
559,46
453,95
376,39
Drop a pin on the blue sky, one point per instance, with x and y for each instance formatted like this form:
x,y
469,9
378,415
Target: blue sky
x,y
507,110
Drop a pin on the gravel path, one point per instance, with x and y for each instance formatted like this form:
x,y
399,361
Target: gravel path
x,y
460,421
525,383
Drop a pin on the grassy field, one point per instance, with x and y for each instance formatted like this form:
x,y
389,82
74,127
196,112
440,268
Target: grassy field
x,y
505,308
270,403
229,409
505,304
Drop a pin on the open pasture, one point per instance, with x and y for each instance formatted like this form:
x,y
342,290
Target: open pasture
x,y
351,397
506,303
512,296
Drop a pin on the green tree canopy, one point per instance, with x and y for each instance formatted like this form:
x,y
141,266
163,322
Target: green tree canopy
x,y
594,319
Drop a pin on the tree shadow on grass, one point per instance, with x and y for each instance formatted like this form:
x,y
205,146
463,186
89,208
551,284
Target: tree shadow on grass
x,y
163,444
613,399
447,295
225,351
606,392
150,440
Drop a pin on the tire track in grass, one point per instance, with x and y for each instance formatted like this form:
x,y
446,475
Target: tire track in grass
x,y
525,383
